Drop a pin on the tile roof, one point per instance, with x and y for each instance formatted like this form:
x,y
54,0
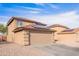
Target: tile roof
x,y
25,20
57,25
68,31
76,29
29,27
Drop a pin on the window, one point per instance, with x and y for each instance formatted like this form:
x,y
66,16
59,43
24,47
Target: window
x,y
19,23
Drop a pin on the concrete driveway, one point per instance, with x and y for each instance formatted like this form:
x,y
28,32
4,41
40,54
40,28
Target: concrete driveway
x,y
11,49
60,50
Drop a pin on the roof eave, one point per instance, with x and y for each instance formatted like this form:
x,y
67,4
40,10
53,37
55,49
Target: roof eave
x,y
12,18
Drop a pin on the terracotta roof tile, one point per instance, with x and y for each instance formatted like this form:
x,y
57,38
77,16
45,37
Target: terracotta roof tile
x,y
67,31
29,27
57,25
71,30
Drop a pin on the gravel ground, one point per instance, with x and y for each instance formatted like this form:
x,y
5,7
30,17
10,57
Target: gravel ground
x,y
11,49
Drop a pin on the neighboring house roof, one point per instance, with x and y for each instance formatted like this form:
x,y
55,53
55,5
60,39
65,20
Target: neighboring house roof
x,y
29,27
68,31
25,20
58,25
76,29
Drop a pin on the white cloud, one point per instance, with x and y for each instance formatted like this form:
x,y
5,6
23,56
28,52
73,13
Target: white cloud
x,y
70,19
49,5
24,10
30,8
34,12
52,6
41,4
4,19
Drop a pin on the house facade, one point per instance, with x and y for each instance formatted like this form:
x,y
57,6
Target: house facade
x,y
69,37
66,36
28,32
58,29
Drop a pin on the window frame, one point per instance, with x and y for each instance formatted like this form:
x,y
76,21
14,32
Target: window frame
x,y
19,23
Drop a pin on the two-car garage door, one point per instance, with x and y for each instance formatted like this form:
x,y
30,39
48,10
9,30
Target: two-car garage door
x,y
40,38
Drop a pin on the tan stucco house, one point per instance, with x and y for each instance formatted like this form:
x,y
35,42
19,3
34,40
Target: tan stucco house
x,y
65,35
58,29
28,32
69,37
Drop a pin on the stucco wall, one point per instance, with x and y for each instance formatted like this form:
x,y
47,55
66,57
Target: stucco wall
x,y
21,38
36,38
27,23
68,39
58,29
77,33
10,35
11,27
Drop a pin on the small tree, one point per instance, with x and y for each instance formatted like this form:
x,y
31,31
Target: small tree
x,y
3,29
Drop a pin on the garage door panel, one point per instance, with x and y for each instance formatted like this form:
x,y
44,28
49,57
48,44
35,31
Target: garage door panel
x,y
40,38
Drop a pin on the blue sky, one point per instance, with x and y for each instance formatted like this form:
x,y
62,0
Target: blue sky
x,y
49,13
